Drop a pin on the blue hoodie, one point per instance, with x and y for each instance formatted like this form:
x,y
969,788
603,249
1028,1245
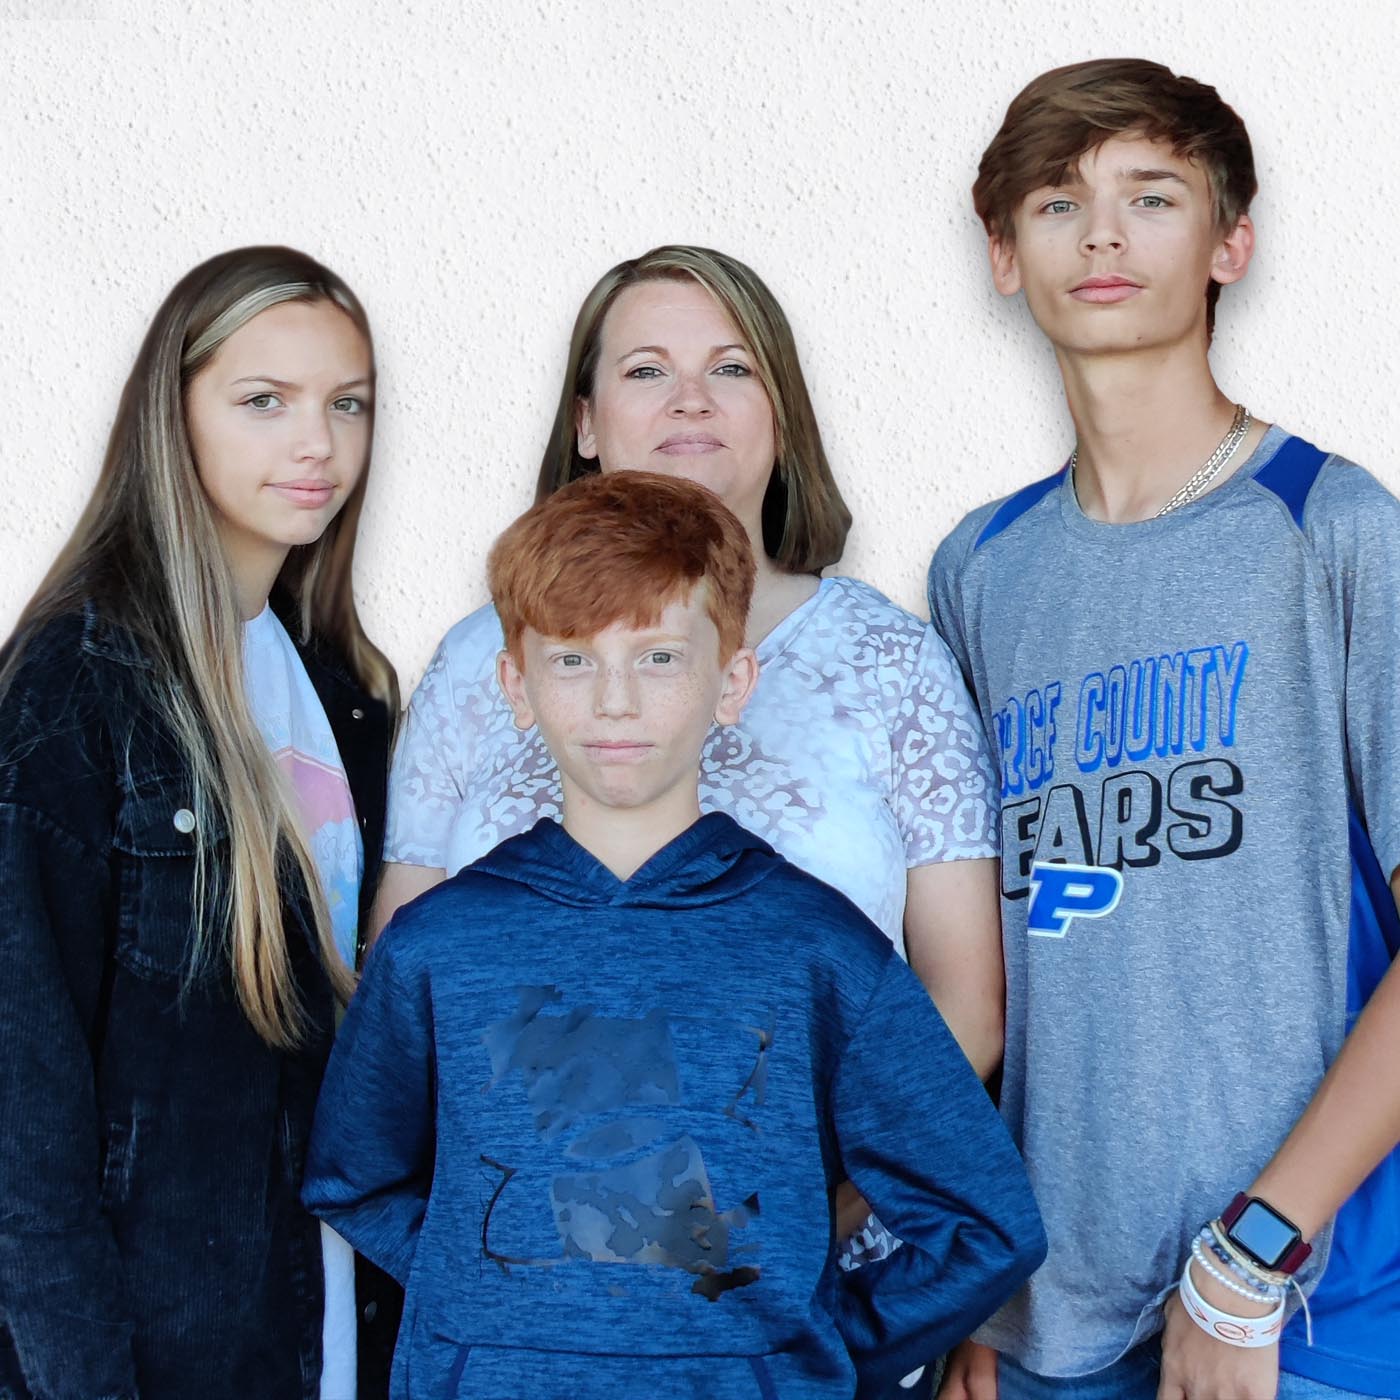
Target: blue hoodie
x,y
594,1126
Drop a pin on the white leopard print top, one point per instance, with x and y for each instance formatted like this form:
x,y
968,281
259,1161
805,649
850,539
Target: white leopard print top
x,y
859,755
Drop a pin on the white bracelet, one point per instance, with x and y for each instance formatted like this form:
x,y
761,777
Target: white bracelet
x,y
1226,1327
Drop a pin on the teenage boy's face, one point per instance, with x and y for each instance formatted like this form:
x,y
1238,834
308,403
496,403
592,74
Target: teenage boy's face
x,y
1117,257
626,711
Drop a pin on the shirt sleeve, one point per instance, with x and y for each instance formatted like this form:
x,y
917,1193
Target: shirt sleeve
x,y
62,1284
923,1144
944,789
1355,524
427,780
370,1163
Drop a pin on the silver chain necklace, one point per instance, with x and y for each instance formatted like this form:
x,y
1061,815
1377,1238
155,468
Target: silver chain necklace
x,y
1205,473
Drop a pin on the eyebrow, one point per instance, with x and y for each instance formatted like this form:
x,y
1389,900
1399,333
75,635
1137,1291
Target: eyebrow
x,y
1139,176
662,350
1134,175
287,384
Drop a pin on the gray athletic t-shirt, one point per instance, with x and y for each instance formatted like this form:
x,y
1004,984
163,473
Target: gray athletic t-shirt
x,y
1179,708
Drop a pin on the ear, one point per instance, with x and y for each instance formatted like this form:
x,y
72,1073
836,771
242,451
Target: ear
x,y
583,427
1231,260
511,679
1006,275
740,678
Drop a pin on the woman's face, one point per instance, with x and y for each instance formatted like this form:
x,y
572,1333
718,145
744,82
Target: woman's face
x,y
676,391
279,420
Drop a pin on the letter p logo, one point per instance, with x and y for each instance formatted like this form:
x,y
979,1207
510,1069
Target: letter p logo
x,y
1060,893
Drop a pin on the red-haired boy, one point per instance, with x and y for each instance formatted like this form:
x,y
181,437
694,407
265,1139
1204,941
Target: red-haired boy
x,y
593,1095
1184,646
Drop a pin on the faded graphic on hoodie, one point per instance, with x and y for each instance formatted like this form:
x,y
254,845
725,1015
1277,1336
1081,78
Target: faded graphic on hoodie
x,y
575,1067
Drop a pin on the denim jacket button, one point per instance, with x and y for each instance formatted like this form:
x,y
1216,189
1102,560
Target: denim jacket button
x,y
357,713
184,821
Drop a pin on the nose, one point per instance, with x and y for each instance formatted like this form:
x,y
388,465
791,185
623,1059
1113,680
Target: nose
x,y
314,441
1104,230
616,694
691,397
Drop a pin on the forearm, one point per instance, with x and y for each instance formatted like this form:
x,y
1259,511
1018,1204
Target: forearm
x,y
952,934
1351,1124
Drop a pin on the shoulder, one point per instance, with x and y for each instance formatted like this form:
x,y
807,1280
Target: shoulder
x,y
820,918
73,662
76,714
858,613
1006,517
1348,495
426,930
1340,507
469,649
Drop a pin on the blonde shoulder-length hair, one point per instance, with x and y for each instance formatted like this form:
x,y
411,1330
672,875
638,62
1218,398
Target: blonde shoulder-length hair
x,y
146,552
805,521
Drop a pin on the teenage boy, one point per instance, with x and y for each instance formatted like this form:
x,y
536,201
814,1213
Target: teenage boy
x,y
1184,645
593,1094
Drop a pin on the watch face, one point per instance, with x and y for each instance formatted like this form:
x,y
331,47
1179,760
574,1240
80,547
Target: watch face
x,y
1263,1234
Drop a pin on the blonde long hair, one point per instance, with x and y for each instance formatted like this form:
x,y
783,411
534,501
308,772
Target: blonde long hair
x,y
147,552
805,520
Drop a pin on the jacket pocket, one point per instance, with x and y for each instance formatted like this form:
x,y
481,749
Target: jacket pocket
x,y
505,1373
155,844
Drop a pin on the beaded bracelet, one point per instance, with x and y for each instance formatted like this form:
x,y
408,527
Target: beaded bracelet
x,y
1248,1268
1208,1247
1198,1253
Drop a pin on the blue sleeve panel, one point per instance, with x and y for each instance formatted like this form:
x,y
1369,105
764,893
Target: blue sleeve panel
x,y
1356,1306
1015,506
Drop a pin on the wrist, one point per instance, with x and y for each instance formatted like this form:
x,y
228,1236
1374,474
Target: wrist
x,y
1227,1300
1289,1199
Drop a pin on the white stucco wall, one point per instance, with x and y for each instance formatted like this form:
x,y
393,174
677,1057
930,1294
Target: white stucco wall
x,y
471,168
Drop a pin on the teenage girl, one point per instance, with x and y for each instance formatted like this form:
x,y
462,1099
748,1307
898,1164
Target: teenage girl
x,y
194,733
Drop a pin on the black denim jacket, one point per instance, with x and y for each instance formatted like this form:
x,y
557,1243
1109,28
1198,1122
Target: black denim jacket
x,y
152,1242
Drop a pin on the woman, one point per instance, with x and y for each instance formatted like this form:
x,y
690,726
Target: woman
x,y
859,758
194,734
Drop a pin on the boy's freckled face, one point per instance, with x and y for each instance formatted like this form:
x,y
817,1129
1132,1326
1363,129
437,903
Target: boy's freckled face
x,y
1118,256
626,712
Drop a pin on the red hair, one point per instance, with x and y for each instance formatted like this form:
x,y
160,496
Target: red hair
x,y
621,548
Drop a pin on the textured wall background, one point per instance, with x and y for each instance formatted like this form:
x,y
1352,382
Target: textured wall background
x,y
471,168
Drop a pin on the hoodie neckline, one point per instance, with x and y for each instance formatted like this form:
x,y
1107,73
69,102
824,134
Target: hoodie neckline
x,y
710,860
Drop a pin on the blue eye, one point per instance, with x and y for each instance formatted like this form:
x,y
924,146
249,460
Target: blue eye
x,y
263,402
349,404
1154,201
1058,206
644,372
571,659
734,371
661,658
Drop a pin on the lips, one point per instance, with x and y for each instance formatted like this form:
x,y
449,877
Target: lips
x,y
617,750
307,494
1105,290
690,444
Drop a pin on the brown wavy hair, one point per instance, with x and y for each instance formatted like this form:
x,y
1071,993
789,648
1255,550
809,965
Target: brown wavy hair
x,y
1065,113
805,520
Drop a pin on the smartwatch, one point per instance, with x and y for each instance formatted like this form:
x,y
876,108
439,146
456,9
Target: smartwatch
x,y
1257,1230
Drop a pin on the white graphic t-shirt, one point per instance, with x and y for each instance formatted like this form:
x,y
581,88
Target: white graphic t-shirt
x,y
858,757
294,726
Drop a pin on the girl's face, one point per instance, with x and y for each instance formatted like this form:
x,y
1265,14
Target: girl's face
x,y
279,420
676,391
